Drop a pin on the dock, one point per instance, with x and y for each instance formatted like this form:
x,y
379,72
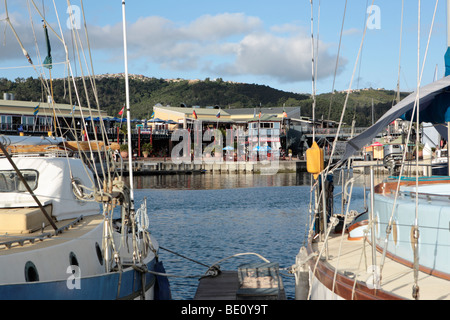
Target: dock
x,y
222,287
143,166
253,281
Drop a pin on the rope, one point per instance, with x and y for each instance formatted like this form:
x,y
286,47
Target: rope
x,y
213,270
145,270
180,255
238,255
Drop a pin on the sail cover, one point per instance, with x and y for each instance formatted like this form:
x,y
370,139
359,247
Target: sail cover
x,y
434,107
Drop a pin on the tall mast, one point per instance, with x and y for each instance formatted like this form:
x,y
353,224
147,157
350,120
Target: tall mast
x,y
127,96
447,72
447,54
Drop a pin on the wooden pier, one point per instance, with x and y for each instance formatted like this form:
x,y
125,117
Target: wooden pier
x,y
254,281
222,287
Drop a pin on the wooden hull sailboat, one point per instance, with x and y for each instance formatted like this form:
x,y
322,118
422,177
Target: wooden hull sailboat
x,y
350,269
399,247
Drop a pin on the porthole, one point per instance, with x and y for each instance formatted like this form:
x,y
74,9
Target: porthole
x,y
99,253
31,273
73,261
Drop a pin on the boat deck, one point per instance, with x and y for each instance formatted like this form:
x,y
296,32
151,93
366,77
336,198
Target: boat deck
x,y
355,261
68,229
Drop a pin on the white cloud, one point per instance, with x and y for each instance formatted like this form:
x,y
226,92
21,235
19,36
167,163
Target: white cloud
x,y
285,59
211,28
351,31
228,44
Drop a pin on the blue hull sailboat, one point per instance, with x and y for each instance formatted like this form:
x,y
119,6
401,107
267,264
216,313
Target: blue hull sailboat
x,y
69,228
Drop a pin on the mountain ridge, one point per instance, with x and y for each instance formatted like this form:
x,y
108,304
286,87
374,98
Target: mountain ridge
x,y
145,92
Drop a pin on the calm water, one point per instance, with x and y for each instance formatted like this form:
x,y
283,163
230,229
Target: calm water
x,y
209,217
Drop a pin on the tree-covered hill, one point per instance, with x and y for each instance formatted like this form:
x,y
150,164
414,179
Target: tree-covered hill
x,y
147,92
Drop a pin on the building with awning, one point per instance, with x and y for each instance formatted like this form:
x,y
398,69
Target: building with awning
x,y
186,115
263,127
38,117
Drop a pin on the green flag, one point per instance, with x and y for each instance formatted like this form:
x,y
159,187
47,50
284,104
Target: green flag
x,y
48,59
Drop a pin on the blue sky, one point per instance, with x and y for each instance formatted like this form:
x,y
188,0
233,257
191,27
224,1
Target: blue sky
x,y
253,41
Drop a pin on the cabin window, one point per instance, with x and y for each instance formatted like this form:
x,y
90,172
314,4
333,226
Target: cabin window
x,y
10,181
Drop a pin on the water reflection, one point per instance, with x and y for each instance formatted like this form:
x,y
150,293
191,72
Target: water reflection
x,y
212,216
208,181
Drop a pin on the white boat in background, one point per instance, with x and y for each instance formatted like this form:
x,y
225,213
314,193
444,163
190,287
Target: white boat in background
x,y
68,231
399,248
439,163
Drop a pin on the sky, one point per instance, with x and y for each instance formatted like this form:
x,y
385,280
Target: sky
x,y
264,42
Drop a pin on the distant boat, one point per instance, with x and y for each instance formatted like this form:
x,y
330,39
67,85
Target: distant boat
x,y
439,165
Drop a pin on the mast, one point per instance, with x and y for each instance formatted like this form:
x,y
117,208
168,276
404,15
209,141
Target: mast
x,y
127,96
373,121
447,72
447,53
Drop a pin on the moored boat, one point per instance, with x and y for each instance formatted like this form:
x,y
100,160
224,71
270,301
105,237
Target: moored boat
x,y
63,238
345,267
69,228
398,249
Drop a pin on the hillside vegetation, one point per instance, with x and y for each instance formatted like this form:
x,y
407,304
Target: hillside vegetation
x,y
145,93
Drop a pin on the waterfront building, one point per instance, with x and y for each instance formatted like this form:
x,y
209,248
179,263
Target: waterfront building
x,y
38,118
269,123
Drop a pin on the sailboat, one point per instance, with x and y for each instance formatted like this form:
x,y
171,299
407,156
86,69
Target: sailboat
x,y
398,247
69,232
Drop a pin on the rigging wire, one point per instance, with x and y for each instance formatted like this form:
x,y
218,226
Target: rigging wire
x,y
414,110
397,98
415,291
346,99
365,25
79,48
337,60
47,86
316,61
313,93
